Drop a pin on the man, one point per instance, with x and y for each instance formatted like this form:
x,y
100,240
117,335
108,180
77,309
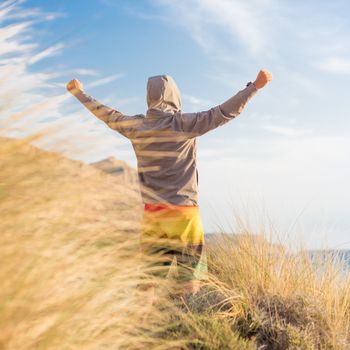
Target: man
x,y
164,141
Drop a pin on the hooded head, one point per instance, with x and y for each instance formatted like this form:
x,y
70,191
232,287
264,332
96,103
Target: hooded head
x,y
163,96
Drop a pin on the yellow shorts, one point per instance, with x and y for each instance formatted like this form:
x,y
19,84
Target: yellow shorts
x,y
171,233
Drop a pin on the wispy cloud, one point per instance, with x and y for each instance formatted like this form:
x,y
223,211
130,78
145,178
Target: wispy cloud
x,y
336,65
286,173
127,100
50,51
244,21
84,71
195,103
286,130
7,13
106,80
19,87
267,32
32,100
11,42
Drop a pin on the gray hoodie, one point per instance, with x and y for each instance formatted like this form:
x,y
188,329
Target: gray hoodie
x,y
165,141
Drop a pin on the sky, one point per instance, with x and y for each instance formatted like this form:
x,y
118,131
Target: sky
x,y
283,163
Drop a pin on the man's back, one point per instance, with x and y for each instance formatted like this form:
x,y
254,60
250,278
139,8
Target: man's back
x,y
166,162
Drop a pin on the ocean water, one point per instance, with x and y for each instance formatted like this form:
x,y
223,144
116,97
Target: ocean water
x,y
339,256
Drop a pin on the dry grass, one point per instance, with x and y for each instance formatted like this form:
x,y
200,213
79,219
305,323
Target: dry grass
x,y
282,299
65,230
70,264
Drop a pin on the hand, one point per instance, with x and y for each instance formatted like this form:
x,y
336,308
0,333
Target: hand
x,y
262,79
74,86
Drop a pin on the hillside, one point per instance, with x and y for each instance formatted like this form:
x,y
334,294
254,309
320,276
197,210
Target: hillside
x,y
64,227
121,170
57,175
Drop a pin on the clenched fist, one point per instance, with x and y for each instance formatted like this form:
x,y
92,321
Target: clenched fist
x,y
262,79
74,86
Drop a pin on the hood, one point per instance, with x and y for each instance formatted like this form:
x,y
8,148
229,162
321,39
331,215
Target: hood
x,y
163,96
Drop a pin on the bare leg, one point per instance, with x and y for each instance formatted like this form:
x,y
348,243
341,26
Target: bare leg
x,y
189,288
195,286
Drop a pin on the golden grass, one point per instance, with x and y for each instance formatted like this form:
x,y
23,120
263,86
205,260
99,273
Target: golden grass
x,y
70,265
63,229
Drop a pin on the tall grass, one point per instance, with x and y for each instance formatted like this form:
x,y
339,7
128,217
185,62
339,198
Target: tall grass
x,y
64,228
70,265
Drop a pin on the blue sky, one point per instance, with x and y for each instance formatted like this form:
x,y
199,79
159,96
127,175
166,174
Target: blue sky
x,y
285,159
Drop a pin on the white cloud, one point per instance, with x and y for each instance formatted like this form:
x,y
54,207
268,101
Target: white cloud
x,y
285,176
195,103
126,100
84,71
244,21
285,130
11,42
32,100
288,38
105,80
7,12
50,51
335,65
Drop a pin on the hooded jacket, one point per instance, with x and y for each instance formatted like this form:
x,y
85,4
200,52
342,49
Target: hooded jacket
x,y
164,140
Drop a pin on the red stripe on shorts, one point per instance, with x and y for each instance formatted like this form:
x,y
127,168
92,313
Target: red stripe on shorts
x,y
161,206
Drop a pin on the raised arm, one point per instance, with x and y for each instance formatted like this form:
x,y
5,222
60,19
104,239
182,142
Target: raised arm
x,y
113,118
199,123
